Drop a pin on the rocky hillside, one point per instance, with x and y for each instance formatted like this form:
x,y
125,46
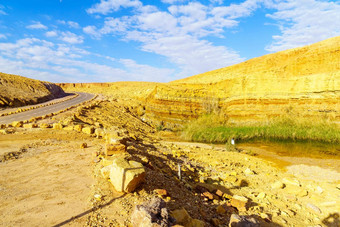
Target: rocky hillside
x,y
18,91
302,81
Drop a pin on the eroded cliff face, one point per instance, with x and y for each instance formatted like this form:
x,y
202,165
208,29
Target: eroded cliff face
x,y
18,91
303,81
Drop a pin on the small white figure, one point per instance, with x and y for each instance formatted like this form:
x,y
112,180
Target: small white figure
x,y
232,141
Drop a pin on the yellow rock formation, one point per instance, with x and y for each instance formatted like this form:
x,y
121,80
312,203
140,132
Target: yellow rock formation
x,y
303,81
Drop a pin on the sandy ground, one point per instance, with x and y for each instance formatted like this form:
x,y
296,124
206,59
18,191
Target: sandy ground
x,y
49,183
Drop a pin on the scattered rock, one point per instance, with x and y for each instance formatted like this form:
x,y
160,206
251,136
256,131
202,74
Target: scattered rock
x,y
112,149
126,175
17,124
57,126
220,209
78,128
289,181
99,133
88,130
240,202
208,195
183,218
151,214
249,172
44,125
265,217
261,195
242,221
31,125
313,208
83,145
278,185
69,128
161,192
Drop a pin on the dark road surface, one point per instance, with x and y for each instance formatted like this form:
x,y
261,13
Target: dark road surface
x,y
46,110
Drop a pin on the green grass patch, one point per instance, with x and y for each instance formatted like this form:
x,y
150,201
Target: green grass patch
x,y
211,129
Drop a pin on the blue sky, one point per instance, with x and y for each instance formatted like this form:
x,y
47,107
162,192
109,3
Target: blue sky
x,y
135,40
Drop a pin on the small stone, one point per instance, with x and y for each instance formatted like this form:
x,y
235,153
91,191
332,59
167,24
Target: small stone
x,y
78,128
208,195
289,181
278,185
265,217
99,133
161,192
240,202
88,130
233,173
249,172
303,193
261,195
17,124
112,149
83,145
97,197
338,186
182,216
57,126
45,125
242,221
220,209
219,193
313,208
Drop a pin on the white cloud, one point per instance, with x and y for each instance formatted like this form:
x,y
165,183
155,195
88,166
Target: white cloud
x,y
304,22
47,61
92,31
70,37
2,11
147,72
2,36
71,24
181,39
36,25
51,34
108,6
172,1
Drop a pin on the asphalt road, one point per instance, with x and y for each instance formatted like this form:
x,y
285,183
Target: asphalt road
x,y
45,110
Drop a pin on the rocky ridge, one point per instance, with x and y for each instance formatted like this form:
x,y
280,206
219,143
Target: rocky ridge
x,y
18,91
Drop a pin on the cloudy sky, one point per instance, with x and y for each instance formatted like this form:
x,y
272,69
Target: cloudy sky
x,y
149,40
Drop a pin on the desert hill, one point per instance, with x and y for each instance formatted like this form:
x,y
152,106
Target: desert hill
x,y
303,81
19,91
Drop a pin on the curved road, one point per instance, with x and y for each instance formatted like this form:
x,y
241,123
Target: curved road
x,y
46,110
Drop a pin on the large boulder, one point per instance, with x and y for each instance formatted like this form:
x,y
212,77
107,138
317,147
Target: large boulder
x,y
151,214
126,175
